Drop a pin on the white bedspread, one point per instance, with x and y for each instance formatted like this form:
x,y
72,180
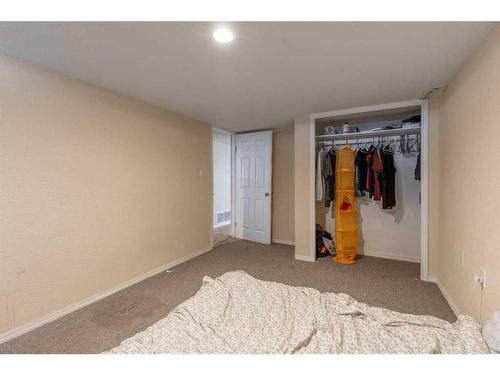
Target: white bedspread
x,y
237,313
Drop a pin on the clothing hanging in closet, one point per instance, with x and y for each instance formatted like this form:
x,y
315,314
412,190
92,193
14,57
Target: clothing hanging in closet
x,y
375,174
329,176
388,180
325,176
417,168
374,168
361,168
370,176
320,183
378,169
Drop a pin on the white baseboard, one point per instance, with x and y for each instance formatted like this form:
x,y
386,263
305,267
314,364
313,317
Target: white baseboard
x,y
284,242
446,295
9,335
405,258
305,258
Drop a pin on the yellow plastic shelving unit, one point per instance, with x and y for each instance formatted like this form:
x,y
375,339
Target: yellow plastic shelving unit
x,y
346,228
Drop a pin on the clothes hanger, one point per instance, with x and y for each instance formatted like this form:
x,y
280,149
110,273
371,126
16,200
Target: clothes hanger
x,y
357,145
388,149
365,146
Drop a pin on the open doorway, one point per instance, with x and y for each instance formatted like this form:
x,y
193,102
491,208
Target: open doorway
x,y
222,186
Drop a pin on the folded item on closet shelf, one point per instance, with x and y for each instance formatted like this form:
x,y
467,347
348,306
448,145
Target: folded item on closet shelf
x,y
415,118
413,125
329,130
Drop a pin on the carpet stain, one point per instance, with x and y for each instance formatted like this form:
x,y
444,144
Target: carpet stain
x,y
124,313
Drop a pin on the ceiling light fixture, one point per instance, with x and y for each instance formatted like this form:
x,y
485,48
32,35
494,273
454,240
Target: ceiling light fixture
x,y
223,35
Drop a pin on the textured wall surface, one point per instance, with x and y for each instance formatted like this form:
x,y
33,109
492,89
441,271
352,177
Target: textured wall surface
x,y
304,215
96,189
469,209
283,185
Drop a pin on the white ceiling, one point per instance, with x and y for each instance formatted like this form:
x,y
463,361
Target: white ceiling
x,y
268,74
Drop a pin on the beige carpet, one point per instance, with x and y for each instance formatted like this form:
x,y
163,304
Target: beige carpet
x,y
104,324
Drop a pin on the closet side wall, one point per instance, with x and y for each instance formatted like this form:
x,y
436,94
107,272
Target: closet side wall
x,y
96,189
433,224
304,232
283,230
469,158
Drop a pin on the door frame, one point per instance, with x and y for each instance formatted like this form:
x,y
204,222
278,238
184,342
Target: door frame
x,y
424,170
214,129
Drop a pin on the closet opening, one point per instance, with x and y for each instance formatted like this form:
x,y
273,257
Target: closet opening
x,y
370,196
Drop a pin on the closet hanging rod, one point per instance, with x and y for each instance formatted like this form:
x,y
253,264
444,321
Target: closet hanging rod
x,y
368,134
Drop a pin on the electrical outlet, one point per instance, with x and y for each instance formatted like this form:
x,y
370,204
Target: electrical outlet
x,y
483,278
480,279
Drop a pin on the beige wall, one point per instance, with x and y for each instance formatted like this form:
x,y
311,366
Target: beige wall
x,y
283,185
304,215
96,189
469,182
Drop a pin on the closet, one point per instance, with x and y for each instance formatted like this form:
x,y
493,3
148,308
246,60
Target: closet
x,y
386,203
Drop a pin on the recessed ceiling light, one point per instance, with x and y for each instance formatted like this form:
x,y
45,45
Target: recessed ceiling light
x,y
223,35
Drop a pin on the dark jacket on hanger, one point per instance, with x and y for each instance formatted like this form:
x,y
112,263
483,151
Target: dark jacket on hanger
x,y
370,177
388,180
417,168
378,169
333,160
329,176
362,166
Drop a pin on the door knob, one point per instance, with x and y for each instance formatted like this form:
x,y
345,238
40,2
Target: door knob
x,y
267,194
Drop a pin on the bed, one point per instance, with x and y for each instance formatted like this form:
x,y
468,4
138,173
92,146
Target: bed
x,y
237,313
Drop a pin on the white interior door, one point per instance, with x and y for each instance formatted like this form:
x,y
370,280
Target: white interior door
x,y
254,152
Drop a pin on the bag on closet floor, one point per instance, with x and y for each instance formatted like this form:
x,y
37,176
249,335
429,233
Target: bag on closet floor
x,y
325,246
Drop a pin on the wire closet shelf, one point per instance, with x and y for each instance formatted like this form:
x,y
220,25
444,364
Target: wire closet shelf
x,y
368,134
371,136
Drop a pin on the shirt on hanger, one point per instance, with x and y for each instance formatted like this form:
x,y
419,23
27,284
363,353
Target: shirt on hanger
x,y
320,182
370,175
417,168
328,176
388,180
361,169
377,169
